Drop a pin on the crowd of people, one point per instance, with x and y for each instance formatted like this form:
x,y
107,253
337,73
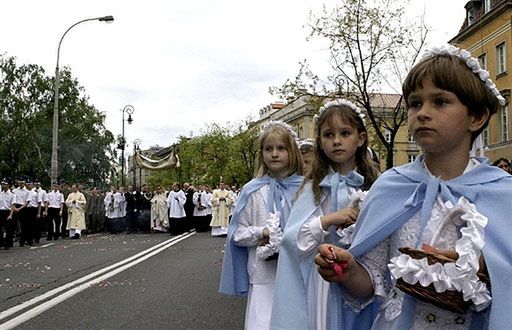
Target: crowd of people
x,y
342,246
28,212
320,239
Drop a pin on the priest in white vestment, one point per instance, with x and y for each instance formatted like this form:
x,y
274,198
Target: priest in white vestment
x,y
177,216
76,212
221,205
159,218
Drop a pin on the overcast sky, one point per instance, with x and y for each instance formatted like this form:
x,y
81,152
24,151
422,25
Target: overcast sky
x,y
181,64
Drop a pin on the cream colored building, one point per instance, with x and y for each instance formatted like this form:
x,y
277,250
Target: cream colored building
x,y
487,34
299,112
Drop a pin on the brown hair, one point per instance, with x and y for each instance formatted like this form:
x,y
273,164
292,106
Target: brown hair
x,y
294,156
320,165
451,73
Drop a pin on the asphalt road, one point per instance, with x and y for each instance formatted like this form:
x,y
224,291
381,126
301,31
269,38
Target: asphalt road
x,y
169,283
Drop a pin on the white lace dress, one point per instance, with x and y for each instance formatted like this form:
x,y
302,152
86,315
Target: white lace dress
x,y
427,316
262,273
311,236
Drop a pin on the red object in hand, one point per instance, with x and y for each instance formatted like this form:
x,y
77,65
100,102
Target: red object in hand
x,y
339,267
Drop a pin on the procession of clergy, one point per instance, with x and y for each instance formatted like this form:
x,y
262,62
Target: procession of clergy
x,y
28,212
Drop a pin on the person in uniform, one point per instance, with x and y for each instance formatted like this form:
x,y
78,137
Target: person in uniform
x,y
22,196
31,215
54,209
7,203
40,222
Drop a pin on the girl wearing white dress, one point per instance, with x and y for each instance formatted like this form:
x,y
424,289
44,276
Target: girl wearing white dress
x,y
256,227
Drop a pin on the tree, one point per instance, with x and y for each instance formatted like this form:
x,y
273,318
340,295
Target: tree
x,y
26,105
371,47
227,152
244,151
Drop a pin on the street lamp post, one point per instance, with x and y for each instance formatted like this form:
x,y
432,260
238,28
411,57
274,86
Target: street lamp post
x,y
129,110
54,171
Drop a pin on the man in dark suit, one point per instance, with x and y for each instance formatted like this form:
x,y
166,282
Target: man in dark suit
x,y
132,209
189,206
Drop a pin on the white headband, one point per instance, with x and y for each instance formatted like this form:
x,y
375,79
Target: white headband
x,y
342,103
306,142
471,63
282,124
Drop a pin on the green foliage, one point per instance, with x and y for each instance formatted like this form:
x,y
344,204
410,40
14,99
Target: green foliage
x,y
26,121
220,152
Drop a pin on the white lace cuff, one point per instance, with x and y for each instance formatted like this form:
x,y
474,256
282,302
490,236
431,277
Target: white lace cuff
x,y
347,234
275,237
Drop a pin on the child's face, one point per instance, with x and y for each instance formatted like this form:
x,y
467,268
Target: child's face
x,y
307,159
275,156
339,141
438,120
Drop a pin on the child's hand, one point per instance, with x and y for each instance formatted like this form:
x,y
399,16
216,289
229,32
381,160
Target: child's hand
x,y
342,218
266,237
334,264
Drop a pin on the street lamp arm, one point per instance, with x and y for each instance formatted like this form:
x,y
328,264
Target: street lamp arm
x,y
55,131
107,19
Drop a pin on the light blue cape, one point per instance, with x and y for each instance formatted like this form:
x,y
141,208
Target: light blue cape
x,y
234,278
290,308
401,192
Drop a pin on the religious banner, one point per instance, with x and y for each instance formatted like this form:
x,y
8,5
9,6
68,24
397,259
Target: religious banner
x,y
168,162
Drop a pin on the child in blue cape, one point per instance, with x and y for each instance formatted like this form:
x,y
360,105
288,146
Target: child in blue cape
x,y
340,168
449,100
260,217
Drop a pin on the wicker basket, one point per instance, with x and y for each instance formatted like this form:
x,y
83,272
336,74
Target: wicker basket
x,y
449,300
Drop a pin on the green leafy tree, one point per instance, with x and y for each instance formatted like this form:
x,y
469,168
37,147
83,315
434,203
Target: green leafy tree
x,y
26,105
244,151
226,152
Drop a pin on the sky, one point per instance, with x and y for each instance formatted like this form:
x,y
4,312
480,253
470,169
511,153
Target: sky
x,y
182,65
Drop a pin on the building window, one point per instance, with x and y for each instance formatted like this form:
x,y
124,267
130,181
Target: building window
x,y
482,59
504,124
487,5
410,138
412,157
471,15
485,136
387,135
501,64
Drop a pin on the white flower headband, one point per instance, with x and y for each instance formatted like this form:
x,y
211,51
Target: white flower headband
x,y
471,63
284,125
306,142
340,102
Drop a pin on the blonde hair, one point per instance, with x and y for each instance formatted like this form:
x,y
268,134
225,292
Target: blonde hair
x,y
294,155
320,165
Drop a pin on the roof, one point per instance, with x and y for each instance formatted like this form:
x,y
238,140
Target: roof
x,y
383,100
